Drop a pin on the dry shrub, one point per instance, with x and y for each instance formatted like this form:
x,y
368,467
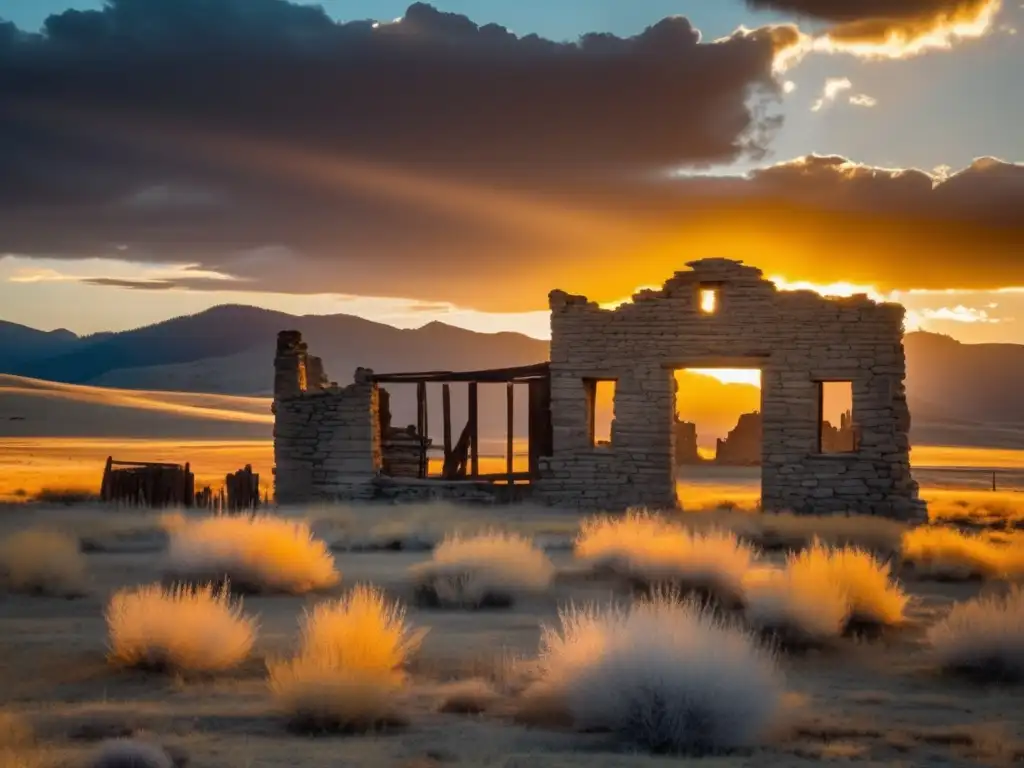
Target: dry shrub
x,y
348,672
978,507
493,568
663,675
872,596
38,561
467,697
983,637
255,554
182,628
130,753
947,554
799,611
788,531
18,748
650,550
66,496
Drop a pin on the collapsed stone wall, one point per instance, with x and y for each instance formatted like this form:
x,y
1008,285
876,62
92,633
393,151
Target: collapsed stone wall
x,y
798,339
335,443
326,437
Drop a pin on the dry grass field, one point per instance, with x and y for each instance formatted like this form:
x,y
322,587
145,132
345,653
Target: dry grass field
x,y
828,652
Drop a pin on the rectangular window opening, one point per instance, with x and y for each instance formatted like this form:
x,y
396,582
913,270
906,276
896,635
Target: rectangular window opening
x,y
600,410
837,428
708,299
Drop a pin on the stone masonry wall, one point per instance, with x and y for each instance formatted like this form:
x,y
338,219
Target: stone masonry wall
x,y
797,339
326,438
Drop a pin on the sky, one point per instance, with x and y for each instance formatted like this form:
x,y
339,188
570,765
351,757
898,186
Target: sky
x,y
457,161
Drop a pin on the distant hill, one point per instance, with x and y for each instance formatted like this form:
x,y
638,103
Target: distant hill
x,y
21,345
952,387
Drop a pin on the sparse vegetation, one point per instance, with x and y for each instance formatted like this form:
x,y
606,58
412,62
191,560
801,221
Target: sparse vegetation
x,y
39,561
946,554
983,637
348,672
255,554
662,675
787,531
873,597
66,496
179,629
798,606
649,550
489,569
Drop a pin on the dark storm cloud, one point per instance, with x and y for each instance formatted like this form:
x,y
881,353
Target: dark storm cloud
x,y
889,28
439,160
862,10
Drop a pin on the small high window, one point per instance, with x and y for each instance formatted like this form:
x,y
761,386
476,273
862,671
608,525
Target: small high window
x,y
837,430
708,300
600,410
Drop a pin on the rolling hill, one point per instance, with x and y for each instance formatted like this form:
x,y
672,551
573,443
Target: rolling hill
x,y
953,388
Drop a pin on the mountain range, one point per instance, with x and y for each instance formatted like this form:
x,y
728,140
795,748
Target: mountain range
x,y
952,387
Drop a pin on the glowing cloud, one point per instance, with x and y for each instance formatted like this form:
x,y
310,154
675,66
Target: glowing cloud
x,y
893,30
833,87
863,100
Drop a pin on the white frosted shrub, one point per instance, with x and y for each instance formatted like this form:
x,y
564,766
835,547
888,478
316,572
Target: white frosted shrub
x,y
348,672
182,629
649,550
872,596
984,636
663,675
800,611
493,568
38,561
263,553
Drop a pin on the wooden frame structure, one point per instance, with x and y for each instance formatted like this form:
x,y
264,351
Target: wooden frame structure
x,y
147,483
462,460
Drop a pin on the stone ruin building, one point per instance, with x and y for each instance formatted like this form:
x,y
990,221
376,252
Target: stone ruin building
x,y
336,442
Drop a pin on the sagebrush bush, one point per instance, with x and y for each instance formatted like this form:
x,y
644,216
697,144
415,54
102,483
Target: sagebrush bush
x,y
663,674
39,561
984,637
348,671
650,550
871,594
493,568
183,628
129,753
263,553
947,554
799,610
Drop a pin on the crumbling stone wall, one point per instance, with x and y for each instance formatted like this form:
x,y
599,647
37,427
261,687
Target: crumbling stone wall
x,y
797,339
326,437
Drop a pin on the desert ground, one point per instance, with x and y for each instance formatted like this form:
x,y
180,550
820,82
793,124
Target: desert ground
x,y
882,700
889,691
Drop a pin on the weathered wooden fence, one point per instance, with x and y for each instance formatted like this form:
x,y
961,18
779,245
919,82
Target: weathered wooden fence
x,y
147,484
157,484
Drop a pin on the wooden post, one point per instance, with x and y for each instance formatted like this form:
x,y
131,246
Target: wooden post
x,y
474,436
510,400
446,416
105,490
540,422
421,425
993,479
